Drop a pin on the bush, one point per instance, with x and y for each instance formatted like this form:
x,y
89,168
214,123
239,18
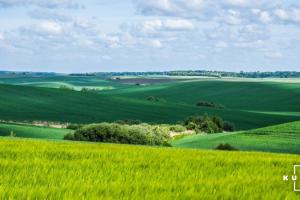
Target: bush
x,y
229,126
69,136
177,128
226,147
143,134
128,122
210,104
152,98
207,124
74,126
64,87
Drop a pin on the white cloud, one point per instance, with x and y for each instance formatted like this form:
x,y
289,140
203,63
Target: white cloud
x,y
49,27
263,16
177,25
155,44
232,17
288,15
221,45
154,6
273,55
241,3
41,3
151,26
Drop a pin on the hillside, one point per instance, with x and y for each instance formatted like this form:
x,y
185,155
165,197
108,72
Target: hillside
x,y
27,131
63,170
248,104
74,82
284,138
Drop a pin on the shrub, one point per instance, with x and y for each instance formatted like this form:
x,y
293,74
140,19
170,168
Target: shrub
x,y
128,122
152,98
177,128
229,126
226,147
69,136
64,87
143,134
209,126
210,104
13,134
206,124
74,126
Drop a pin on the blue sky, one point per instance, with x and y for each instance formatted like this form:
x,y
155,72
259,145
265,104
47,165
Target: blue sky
x,y
149,35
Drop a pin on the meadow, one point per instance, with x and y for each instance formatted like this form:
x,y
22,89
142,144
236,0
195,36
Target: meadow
x,y
249,104
283,138
69,170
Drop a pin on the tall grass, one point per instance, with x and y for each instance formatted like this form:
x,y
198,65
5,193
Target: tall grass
x,y
66,170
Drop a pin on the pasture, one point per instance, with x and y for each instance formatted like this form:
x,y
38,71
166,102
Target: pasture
x,y
70,170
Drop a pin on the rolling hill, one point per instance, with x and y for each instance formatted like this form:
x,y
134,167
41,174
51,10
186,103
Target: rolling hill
x,y
248,104
27,131
284,138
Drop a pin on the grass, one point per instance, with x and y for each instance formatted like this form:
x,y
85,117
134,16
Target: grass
x,y
284,138
27,131
66,170
248,104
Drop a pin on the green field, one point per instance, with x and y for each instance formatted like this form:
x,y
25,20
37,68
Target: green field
x,y
283,138
77,83
67,170
249,104
27,131
50,168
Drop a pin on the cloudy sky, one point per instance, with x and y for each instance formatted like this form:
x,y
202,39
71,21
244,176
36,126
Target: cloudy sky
x,y
149,35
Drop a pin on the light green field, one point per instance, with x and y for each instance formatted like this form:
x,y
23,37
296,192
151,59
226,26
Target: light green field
x,y
28,131
248,104
284,138
57,170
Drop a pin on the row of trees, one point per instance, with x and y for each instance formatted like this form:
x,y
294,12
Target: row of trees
x,y
136,132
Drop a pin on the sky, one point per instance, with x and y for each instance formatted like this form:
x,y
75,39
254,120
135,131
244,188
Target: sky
x,y
149,35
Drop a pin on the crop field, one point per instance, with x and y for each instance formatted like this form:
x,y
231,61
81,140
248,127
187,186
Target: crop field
x,y
266,103
283,138
77,83
27,131
56,170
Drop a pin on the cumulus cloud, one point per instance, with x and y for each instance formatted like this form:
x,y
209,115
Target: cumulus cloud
x,y
155,6
291,15
151,26
49,27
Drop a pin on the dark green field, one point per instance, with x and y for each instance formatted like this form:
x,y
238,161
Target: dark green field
x,y
284,138
248,104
